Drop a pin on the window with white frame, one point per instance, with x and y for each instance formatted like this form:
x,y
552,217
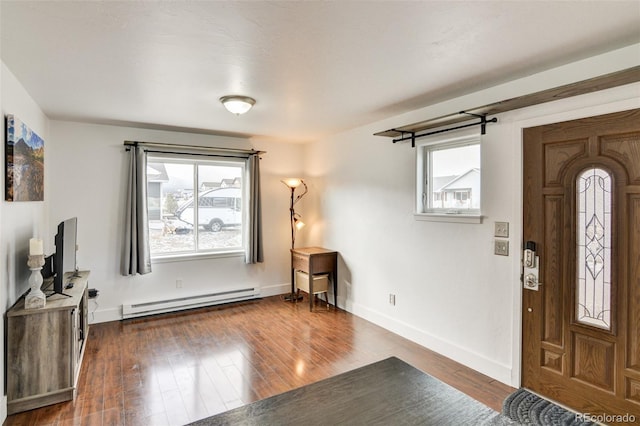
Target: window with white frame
x,y
195,205
449,176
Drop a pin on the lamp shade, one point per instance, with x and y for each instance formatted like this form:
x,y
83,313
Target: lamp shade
x,y
237,104
292,182
297,221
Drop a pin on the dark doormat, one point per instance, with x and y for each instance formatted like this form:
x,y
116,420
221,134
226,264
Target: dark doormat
x,y
388,392
527,408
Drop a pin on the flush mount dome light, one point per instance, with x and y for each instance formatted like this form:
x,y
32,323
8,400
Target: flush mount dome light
x,y
237,104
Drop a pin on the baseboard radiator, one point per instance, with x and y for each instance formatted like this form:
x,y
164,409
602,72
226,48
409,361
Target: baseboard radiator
x,y
134,310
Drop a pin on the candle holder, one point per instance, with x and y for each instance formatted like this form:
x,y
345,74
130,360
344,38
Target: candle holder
x,y
36,298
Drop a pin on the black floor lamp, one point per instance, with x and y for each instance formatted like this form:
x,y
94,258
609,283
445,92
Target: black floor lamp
x,y
296,222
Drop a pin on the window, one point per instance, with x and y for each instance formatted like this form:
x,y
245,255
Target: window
x,y
449,177
593,245
463,196
195,205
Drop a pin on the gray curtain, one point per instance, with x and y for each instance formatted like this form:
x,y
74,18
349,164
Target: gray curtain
x,y
254,253
137,256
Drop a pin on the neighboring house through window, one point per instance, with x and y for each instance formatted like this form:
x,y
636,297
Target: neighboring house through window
x,y
156,176
457,191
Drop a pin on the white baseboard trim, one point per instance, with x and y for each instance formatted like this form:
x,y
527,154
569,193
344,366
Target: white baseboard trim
x,y
275,289
103,315
97,315
457,353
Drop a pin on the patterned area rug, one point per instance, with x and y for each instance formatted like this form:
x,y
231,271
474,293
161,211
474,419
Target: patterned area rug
x,y
388,392
529,409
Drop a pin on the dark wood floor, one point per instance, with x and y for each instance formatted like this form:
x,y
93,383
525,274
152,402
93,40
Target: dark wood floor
x,y
176,368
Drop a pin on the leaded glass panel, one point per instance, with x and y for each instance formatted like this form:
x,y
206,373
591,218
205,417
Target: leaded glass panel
x,y
593,301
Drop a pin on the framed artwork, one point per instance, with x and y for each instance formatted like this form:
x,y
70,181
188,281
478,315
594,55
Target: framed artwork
x,y
24,162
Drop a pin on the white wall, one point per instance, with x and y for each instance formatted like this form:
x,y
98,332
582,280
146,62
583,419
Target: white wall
x,y
453,294
19,221
88,163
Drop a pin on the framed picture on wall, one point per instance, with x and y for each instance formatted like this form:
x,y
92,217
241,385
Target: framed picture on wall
x,y
24,162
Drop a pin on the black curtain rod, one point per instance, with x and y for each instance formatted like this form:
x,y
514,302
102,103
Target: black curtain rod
x,y
482,123
166,148
195,154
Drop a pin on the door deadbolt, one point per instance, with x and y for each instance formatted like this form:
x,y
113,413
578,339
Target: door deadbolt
x,y
531,266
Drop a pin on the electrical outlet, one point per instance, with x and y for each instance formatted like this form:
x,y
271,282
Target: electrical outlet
x,y
501,229
501,247
178,283
392,299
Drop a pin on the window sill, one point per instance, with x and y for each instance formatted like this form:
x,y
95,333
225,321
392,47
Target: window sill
x,y
198,256
452,218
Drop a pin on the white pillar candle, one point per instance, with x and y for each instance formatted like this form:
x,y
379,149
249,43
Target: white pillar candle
x,y
35,247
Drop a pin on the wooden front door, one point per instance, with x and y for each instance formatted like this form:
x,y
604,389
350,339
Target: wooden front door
x,y
581,341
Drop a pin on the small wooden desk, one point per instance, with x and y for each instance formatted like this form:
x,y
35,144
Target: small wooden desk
x,y
315,260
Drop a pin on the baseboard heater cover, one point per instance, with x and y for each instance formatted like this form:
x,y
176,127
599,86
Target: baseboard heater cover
x,y
134,310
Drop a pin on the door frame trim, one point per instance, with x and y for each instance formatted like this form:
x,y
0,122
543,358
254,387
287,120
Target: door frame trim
x,y
554,112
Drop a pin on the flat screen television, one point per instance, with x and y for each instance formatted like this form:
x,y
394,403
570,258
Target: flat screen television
x,y
64,258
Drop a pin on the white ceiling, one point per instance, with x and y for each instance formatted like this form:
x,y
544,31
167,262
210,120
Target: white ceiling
x,y
314,67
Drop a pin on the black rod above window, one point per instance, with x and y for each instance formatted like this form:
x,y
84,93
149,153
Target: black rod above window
x,y
412,136
167,148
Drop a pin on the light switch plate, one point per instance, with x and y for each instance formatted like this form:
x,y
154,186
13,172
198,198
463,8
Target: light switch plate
x,y
501,247
501,229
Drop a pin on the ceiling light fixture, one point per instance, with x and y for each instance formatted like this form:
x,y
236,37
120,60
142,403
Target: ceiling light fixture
x,y
237,104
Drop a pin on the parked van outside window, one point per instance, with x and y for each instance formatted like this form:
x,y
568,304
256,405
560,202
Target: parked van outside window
x,y
218,208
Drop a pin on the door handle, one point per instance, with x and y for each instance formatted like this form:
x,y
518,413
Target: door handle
x,y
531,282
531,267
